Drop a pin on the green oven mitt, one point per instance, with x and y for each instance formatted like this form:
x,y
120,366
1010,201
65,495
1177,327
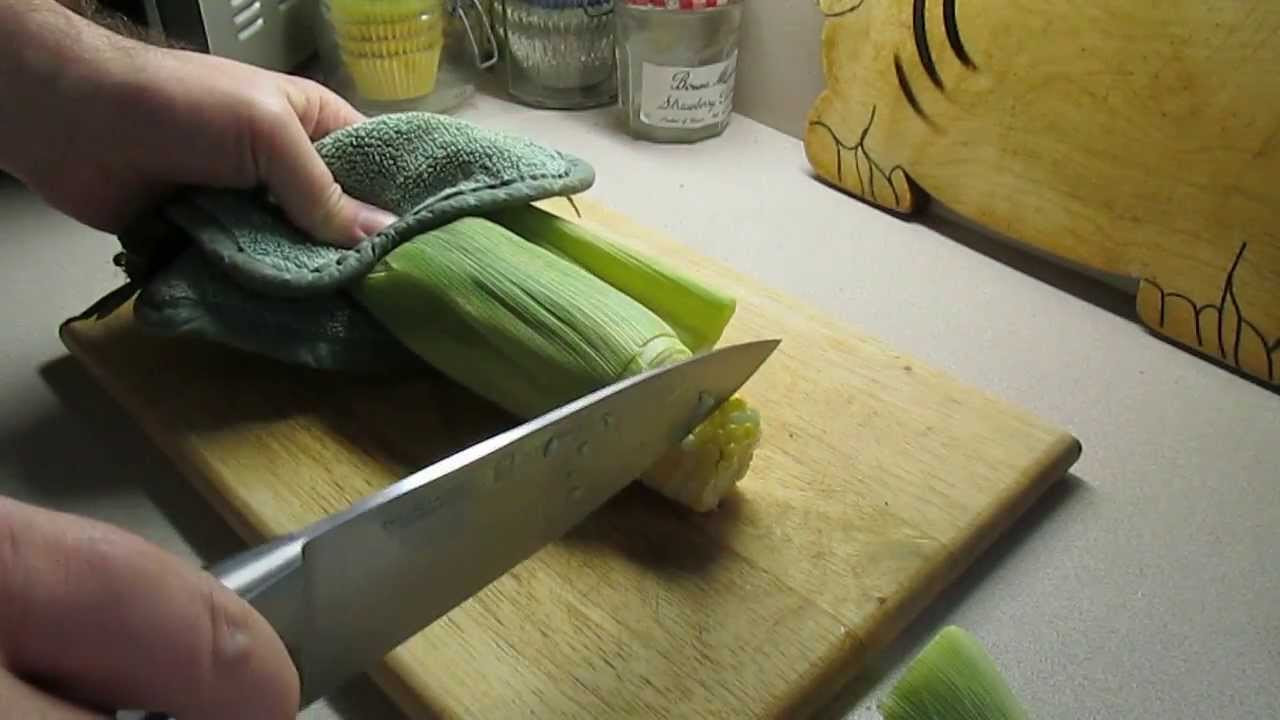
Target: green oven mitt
x,y
426,168
193,298
229,267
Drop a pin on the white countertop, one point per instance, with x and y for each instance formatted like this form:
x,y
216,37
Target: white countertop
x,y
1144,586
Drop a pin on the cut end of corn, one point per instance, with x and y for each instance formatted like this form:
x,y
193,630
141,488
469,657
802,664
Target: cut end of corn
x,y
953,678
711,460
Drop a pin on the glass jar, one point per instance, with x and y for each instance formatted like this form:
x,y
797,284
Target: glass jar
x,y
401,55
558,53
677,66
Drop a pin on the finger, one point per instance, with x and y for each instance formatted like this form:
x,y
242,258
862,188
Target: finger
x,y
113,621
21,700
289,164
320,110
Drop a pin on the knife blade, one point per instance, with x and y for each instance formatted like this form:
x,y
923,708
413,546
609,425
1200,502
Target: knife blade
x,y
347,590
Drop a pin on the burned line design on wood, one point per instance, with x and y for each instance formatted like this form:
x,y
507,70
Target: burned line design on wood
x,y
953,34
843,11
921,32
924,52
866,186
905,86
1270,348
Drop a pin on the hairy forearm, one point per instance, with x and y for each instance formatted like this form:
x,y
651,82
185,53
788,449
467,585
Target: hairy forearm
x,y
51,60
104,126
109,19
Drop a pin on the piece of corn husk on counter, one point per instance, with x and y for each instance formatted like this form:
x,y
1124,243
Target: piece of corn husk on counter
x,y
953,678
532,311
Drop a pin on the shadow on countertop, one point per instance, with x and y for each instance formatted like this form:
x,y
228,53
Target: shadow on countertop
x,y
1113,293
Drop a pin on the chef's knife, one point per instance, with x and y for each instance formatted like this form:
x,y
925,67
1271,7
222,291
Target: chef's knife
x,y
345,591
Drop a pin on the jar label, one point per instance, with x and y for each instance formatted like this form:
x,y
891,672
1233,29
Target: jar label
x,y
687,97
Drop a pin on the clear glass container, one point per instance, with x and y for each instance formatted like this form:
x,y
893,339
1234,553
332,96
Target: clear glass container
x,y
677,67
558,53
391,55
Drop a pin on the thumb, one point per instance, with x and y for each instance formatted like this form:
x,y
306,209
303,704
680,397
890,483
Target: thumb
x,y
306,189
112,621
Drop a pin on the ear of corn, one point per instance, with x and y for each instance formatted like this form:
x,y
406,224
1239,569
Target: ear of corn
x,y
511,321
698,313
711,459
519,323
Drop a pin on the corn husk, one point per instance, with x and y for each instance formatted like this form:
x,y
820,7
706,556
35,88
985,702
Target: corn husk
x,y
697,312
511,321
953,678
534,320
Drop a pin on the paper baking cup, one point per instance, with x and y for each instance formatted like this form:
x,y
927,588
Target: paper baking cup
x,y
378,31
408,45
395,77
383,11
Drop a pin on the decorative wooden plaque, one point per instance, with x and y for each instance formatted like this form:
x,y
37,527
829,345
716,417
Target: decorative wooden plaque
x,y
1141,139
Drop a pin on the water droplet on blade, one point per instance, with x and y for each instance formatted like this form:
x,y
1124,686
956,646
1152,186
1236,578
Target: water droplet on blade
x,y
550,448
608,420
705,401
585,448
575,492
502,470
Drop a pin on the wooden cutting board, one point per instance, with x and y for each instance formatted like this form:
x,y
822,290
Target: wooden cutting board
x,y
1141,139
878,481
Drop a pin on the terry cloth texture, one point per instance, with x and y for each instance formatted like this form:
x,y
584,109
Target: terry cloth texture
x,y
193,298
426,168
229,267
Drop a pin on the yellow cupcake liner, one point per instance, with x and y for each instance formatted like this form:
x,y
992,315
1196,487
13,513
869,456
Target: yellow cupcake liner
x,y
373,32
425,42
395,78
384,15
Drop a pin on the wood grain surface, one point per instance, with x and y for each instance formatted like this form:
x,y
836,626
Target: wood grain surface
x,y
878,481
1140,139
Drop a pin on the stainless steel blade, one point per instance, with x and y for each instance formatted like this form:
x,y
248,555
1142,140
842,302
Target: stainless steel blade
x,y
377,574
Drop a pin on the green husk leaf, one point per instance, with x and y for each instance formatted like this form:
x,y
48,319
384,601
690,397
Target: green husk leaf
x,y
953,678
697,312
510,320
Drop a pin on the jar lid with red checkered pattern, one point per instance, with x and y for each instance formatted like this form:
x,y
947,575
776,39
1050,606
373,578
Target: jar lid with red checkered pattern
x,y
682,4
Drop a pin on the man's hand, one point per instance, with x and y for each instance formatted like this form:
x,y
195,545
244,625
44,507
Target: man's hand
x,y
103,126
94,619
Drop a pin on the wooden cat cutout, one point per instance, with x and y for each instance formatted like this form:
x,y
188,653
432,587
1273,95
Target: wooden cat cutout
x,y
1140,138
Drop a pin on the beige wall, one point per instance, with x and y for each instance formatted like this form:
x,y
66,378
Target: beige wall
x,y
779,64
